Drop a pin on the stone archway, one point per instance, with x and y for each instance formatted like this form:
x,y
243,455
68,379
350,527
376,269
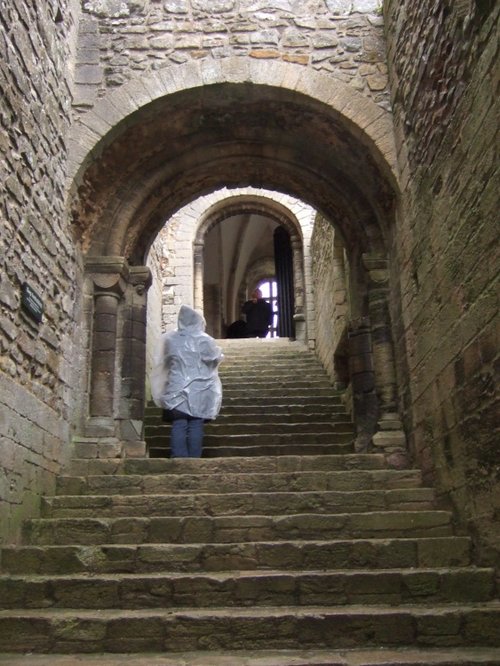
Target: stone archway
x,y
266,207
297,132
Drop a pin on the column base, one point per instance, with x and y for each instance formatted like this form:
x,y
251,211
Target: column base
x,y
391,441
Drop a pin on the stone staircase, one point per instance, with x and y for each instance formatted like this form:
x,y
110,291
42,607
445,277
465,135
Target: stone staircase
x,y
253,555
277,400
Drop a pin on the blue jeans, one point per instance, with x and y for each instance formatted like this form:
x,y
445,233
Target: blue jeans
x,y
186,438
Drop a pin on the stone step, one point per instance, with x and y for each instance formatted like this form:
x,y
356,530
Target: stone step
x,y
248,588
283,363
282,402
230,482
267,464
294,627
235,529
242,416
263,503
275,391
413,656
161,450
266,440
226,426
321,408
270,372
276,381
281,410
449,551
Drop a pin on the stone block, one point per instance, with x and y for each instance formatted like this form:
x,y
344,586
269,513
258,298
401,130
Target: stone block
x,y
390,439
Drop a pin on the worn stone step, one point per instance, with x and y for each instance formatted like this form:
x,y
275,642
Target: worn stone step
x,y
284,383
229,482
284,364
414,656
263,503
212,438
270,372
168,630
281,401
264,445
162,449
285,409
242,417
448,551
228,427
235,529
272,392
248,588
268,464
265,441
329,407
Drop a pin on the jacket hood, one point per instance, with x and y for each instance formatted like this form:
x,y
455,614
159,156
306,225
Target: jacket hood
x,y
190,320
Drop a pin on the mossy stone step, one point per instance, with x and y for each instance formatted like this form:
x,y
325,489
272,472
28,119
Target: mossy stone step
x,y
230,482
248,588
263,503
161,450
293,627
267,464
236,529
375,554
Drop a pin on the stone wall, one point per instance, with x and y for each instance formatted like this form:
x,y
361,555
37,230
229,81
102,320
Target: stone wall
x,y
123,39
37,359
443,61
330,296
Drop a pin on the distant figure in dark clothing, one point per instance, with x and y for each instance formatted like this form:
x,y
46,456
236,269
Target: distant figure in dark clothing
x,y
238,329
259,314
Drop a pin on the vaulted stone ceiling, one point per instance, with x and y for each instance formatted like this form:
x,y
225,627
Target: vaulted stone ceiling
x,y
233,135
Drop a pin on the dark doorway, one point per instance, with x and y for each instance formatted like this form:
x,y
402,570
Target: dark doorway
x,y
283,260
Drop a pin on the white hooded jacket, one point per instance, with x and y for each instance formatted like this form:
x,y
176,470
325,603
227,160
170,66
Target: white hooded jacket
x,y
185,375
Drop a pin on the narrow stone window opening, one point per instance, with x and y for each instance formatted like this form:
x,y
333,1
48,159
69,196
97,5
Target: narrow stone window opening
x,y
269,289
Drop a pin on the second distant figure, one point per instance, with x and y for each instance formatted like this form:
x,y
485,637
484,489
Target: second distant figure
x,y
259,315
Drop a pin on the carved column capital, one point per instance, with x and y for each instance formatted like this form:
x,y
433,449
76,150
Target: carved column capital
x,y
140,278
108,274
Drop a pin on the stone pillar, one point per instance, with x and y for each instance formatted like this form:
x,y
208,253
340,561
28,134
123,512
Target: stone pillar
x,y
102,374
109,286
390,436
198,276
362,378
133,362
114,424
299,316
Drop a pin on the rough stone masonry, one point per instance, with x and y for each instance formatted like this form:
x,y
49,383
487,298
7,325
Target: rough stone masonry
x,y
434,63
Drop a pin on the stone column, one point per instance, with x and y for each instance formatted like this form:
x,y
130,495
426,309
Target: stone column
x,y
198,276
299,289
390,436
107,279
362,378
109,286
133,362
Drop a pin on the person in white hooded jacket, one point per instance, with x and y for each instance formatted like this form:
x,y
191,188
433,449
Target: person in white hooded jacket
x,y
185,382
